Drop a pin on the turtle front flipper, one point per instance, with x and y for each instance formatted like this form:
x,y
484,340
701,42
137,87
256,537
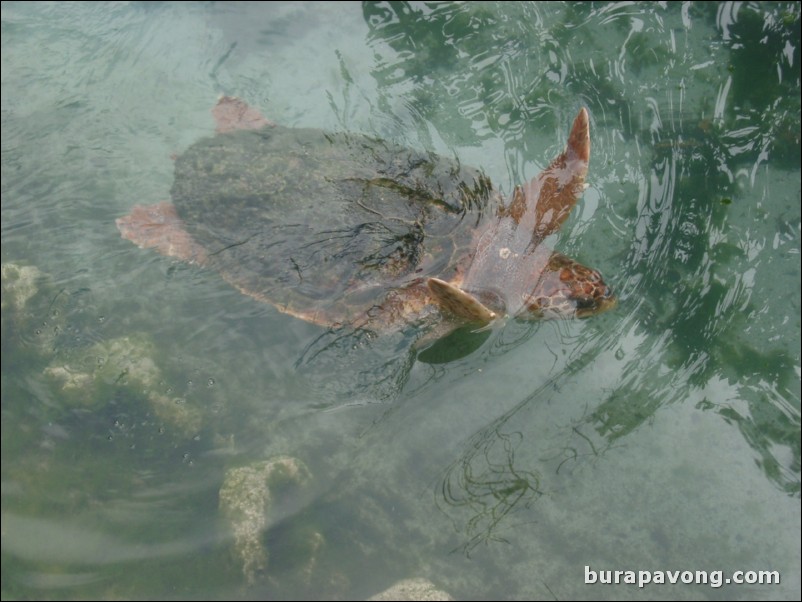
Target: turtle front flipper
x,y
546,201
459,302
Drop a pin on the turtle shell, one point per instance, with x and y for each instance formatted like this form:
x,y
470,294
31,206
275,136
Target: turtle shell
x,y
327,226
339,228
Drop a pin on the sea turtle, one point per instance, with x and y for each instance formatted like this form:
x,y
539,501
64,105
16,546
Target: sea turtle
x,y
344,229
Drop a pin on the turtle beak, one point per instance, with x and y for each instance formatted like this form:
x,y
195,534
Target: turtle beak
x,y
605,304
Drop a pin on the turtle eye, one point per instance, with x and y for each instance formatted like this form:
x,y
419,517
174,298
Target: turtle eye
x,y
593,299
584,302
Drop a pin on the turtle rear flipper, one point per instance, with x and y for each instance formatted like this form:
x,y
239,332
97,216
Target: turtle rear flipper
x,y
232,114
158,227
459,302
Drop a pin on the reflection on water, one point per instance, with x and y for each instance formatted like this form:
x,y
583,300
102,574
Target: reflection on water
x,y
663,435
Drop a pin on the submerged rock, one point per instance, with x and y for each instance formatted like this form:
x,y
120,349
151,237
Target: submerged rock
x,y
245,501
19,285
412,589
90,376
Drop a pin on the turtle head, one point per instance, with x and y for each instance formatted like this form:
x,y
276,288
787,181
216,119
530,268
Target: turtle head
x,y
567,289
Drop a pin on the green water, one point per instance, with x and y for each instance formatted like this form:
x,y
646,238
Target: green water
x,y
142,398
